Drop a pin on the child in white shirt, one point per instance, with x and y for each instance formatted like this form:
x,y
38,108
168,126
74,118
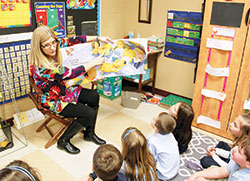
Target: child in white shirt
x,y
164,147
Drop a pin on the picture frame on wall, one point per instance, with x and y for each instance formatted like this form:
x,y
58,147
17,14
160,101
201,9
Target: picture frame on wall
x,y
145,11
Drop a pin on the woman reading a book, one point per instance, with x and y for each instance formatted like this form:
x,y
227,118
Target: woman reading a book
x,y
62,93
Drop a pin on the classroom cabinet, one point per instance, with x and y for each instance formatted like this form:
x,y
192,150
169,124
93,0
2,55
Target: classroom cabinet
x,y
222,81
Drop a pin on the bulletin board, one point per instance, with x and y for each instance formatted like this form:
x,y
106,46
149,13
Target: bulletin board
x,y
183,33
14,52
15,13
79,16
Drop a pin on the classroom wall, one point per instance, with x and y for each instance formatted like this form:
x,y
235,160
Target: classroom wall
x,y
118,17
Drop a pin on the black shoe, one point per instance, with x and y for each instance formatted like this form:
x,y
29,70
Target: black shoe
x,y
89,136
64,144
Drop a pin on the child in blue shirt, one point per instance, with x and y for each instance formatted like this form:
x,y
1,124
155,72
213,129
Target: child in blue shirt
x,y
164,147
237,169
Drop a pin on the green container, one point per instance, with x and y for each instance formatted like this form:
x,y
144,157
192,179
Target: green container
x,y
110,87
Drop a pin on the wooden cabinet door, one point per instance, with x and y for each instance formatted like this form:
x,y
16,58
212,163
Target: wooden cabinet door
x,y
218,59
243,86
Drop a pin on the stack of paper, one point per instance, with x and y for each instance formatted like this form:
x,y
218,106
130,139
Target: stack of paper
x,y
27,118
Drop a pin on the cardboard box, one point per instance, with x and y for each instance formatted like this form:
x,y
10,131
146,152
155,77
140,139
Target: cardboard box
x,y
131,99
110,87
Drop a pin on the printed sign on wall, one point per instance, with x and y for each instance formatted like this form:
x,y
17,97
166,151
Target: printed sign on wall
x,y
52,14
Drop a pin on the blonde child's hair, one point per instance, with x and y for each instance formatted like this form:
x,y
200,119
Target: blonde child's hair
x,y
37,57
107,162
139,163
244,128
165,123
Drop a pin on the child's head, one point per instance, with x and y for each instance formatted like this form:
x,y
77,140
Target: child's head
x,y
107,162
164,123
235,126
19,171
241,153
184,114
139,161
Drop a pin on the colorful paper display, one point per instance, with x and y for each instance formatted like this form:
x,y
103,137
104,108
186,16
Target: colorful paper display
x,y
80,4
15,13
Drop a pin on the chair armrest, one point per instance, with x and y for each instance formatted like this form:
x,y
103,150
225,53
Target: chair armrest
x,y
35,96
34,86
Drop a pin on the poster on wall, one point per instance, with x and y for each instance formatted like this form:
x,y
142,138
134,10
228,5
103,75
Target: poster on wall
x,y
15,13
183,34
123,57
80,4
52,14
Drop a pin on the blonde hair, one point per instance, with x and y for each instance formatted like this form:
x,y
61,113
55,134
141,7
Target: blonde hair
x,y
37,56
244,128
139,163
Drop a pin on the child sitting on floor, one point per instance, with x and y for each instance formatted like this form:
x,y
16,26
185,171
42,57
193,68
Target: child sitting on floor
x,y
19,170
164,146
237,169
107,162
220,155
139,163
183,114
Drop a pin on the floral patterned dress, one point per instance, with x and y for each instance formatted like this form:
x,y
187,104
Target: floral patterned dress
x,y
53,82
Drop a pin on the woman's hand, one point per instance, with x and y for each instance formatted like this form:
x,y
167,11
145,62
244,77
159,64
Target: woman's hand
x,y
98,60
105,39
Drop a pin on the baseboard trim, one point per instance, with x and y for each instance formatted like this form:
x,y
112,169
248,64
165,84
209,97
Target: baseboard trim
x,y
146,88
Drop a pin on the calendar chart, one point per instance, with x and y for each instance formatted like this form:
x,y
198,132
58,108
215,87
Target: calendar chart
x,y
14,70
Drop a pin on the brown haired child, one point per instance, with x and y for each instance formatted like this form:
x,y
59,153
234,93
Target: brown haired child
x,y
164,146
237,169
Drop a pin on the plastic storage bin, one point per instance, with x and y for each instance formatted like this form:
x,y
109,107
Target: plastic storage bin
x,y
131,99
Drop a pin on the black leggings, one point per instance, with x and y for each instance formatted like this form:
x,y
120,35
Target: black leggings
x,y
85,111
208,161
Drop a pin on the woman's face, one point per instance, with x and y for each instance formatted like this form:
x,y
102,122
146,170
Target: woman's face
x,y
234,127
173,110
49,47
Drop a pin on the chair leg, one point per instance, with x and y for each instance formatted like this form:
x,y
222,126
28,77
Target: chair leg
x,y
54,138
43,125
